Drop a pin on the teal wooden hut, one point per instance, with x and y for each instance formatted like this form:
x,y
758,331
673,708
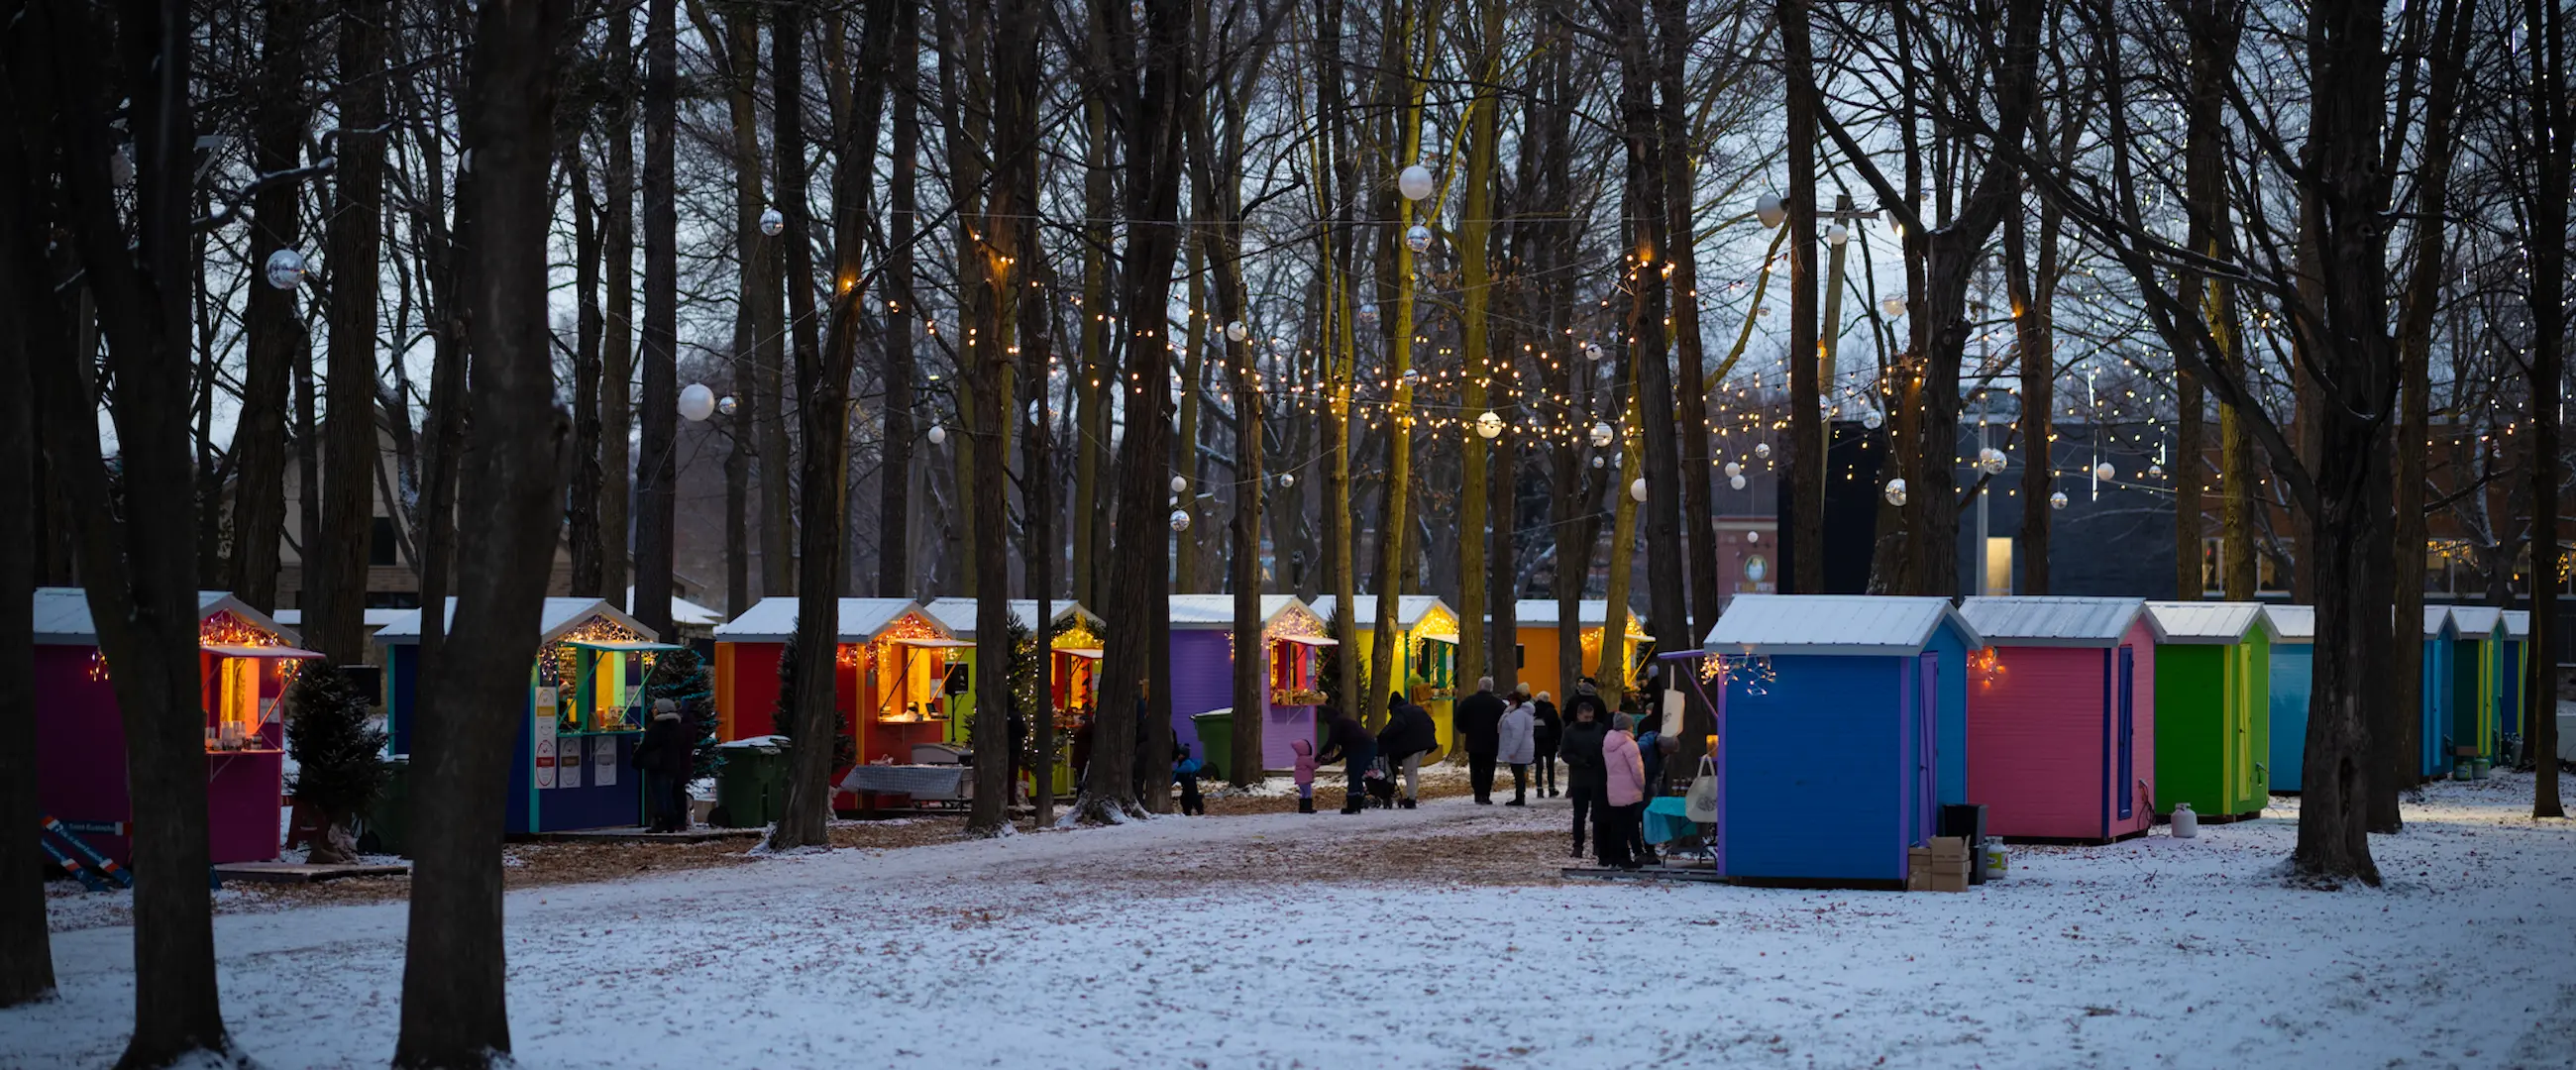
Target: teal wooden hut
x,y
2477,664
2213,708
2433,693
2512,720
2294,649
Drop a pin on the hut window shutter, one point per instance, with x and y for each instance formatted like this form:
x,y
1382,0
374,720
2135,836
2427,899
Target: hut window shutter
x,y
2128,741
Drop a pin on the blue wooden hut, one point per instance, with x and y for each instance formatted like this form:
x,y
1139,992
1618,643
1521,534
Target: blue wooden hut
x,y
1842,728
2294,665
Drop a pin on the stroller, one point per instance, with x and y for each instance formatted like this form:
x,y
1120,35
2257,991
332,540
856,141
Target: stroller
x,y
1380,781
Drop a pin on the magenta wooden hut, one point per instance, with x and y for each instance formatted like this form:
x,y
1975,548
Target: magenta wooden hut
x,y
2061,717
244,659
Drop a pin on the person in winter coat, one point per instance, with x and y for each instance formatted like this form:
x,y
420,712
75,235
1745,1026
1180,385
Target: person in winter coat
x,y
1185,767
1478,717
1408,736
1519,744
1624,790
1584,729
665,756
1305,775
1348,741
1548,729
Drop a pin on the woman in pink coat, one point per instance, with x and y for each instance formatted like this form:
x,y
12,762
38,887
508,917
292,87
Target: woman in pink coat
x,y
1625,788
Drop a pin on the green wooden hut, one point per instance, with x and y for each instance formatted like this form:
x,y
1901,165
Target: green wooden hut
x,y
2213,708
2477,675
2511,719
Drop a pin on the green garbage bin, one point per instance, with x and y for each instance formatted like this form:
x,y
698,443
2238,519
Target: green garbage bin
x,y
1216,742
384,826
752,785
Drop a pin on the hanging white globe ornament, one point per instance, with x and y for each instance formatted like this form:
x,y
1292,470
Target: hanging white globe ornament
x,y
1180,484
1892,306
1872,419
1596,462
2057,500
1770,209
1637,489
1418,238
726,405
1414,182
1837,234
1287,480
1735,481
1489,426
937,435
1592,351
1180,520
1895,492
2105,472
1733,469
285,269
2155,471
772,221
1236,331
1602,434
1990,461
1762,450
697,402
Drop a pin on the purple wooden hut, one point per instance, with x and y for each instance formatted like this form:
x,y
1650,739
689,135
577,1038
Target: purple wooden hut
x,y
1203,669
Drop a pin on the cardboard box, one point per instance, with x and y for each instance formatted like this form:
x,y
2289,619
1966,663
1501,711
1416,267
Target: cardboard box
x,y
1948,882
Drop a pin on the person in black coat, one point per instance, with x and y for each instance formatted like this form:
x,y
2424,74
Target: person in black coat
x,y
1545,735
665,755
1586,774
1348,741
1479,720
1408,736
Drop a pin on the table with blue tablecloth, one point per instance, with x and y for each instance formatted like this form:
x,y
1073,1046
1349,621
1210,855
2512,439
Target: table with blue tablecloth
x,y
1666,820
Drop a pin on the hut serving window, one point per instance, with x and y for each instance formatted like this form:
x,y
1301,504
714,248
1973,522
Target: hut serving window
x,y
245,676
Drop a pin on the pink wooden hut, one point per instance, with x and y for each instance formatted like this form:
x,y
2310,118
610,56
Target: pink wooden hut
x,y
244,659
2061,717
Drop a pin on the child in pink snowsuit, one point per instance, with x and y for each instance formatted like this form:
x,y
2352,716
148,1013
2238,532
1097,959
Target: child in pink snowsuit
x,y
1305,775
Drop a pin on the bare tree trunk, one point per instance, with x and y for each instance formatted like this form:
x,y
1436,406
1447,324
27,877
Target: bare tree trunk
x,y
1091,391
276,338
26,952
1475,278
1011,85
1338,184
1681,253
656,500
582,520
141,578
335,571
1804,457
2548,105
2034,330
617,363
894,498
1404,100
1647,182
454,1007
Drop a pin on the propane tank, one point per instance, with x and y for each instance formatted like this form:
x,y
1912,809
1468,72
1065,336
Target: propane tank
x,y
2186,824
1993,850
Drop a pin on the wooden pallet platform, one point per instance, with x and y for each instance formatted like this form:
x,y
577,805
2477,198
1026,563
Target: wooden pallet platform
x,y
1643,873
303,872
2071,841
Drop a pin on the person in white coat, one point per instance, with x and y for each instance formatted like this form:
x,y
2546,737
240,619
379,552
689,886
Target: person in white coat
x,y
1518,745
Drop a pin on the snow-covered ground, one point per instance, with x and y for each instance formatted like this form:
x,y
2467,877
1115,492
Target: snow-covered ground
x,y
1300,941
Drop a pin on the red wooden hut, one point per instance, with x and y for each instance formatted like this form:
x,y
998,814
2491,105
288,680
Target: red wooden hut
x,y
890,665
2061,717
244,660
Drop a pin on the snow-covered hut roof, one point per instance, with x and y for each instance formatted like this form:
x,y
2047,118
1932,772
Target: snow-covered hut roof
x,y
376,618
1835,624
1408,609
958,614
773,620
2437,620
2296,625
2517,624
2043,620
1204,611
559,615
684,612
1591,613
2478,622
62,616
2207,622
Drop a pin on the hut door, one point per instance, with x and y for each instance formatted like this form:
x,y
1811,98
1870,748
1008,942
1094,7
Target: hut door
x,y
2127,739
1925,716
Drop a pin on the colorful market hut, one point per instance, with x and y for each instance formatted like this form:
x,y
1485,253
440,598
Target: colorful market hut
x,y
2516,668
1536,621
572,764
1203,671
1074,650
1841,730
1427,666
2294,648
2434,698
2061,717
2477,673
2213,708
891,682
244,663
